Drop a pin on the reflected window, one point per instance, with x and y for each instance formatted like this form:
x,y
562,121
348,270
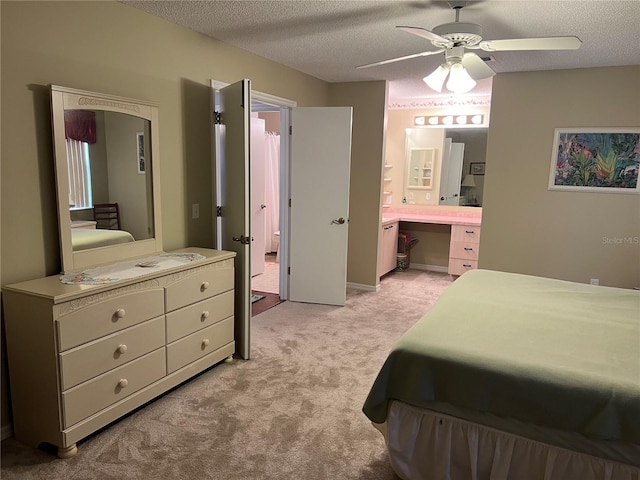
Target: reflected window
x,y
80,196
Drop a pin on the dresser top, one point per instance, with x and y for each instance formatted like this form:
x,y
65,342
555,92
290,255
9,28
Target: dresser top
x,y
52,288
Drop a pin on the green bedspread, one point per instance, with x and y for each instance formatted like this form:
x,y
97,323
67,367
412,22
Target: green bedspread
x,y
555,353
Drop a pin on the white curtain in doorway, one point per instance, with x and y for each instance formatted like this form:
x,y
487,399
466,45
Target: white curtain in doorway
x,y
272,176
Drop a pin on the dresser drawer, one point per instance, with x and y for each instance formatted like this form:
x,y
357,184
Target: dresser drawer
x,y
458,266
198,286
465,233
90,360
187,320
199,344
90,397
86,323
464,250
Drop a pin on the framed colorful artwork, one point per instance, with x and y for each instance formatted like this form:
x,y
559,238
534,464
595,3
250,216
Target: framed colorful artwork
x,y
605,160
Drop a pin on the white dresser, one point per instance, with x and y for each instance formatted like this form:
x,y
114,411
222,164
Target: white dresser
x,y
81,356
463,248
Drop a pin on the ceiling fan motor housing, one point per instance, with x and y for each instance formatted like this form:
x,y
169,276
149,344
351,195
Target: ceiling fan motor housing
x,y
462,34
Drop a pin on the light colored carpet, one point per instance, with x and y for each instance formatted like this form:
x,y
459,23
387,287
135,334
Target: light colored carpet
x,y
292,412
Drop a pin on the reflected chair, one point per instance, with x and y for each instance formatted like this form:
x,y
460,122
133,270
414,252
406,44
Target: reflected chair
x,y
107,216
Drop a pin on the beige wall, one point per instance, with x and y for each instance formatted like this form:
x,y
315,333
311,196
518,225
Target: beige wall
x,y
369,101
567,235
112,48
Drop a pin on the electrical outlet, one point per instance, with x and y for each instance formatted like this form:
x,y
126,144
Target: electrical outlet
x,y
595,281
428,195
195,211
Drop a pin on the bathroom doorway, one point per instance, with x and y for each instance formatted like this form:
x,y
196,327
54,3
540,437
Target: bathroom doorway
x,y
265,202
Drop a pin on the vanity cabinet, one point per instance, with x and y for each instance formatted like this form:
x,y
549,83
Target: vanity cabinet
x,y
463,248
81,356
388,257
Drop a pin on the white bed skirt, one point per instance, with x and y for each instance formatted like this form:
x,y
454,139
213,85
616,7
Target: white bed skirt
x,y
426,445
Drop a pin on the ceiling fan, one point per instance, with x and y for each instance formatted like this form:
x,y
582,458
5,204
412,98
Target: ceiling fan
x,y
463,69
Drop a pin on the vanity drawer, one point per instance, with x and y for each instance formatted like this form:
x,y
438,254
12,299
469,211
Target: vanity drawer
x,y
198,286
90,397
465,233
90,360
189,319
109,316
457,266
464,250
199,344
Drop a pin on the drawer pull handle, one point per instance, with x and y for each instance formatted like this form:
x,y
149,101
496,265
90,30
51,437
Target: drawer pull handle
x,y
468,249
205,343
204,286
123,383
469,231
122,348
466,265
205,315
120,313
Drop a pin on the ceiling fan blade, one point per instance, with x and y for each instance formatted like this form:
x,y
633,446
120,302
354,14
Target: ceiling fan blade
x,y
542,43
398,59
476,66
424,33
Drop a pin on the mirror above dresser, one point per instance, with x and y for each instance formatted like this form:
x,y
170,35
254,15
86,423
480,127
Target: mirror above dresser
x,y
107,177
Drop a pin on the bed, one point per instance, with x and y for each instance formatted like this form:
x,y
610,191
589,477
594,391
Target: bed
x,y
85,238
513,376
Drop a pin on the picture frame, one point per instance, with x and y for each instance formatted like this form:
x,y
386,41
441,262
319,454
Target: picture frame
x,y
141,159
599,159
476,168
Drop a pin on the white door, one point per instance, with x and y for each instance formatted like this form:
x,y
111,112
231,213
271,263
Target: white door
x,y
232,152
258,200
451,173
319,211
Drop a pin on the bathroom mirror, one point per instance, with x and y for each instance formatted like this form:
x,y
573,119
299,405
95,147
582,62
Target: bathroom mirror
x,y
107,177
474,141
437,162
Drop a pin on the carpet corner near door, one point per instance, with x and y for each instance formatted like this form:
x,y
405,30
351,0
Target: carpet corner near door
x,y
261,301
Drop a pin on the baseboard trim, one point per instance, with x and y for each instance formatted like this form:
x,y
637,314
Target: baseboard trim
x,y
429,268
6,432
361,286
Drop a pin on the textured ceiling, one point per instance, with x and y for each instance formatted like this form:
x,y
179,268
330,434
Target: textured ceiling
x,y
328,39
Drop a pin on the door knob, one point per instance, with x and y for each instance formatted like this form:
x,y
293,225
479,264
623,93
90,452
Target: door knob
x,y
262,206
242,239
339,221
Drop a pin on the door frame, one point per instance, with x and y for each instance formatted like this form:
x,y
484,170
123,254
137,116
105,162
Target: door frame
x,y
285,106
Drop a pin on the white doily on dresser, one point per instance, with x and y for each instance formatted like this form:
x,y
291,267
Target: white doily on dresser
x,y
130,269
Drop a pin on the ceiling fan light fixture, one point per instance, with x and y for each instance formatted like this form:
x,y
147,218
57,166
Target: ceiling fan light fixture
x,y
436,78
459,79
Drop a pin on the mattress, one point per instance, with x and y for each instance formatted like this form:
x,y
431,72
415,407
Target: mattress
x,y
539,351
85,238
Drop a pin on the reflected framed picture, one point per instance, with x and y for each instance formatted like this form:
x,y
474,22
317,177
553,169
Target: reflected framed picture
x,y
476,168
142,168
604,160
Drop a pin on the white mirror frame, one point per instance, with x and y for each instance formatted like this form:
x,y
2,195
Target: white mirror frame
x,y
62,99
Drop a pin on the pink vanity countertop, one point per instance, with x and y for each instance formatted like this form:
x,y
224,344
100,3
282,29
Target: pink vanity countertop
x,y
461,216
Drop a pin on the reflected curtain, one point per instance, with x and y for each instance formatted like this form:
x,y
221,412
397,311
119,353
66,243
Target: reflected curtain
x,y
272,191
80,125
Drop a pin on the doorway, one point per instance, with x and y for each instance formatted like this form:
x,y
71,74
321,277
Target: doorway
x,y
266,200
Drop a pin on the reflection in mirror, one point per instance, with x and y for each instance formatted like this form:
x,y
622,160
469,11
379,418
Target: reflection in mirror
x,y
420,168
423,151
107,175
474,141
458,154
